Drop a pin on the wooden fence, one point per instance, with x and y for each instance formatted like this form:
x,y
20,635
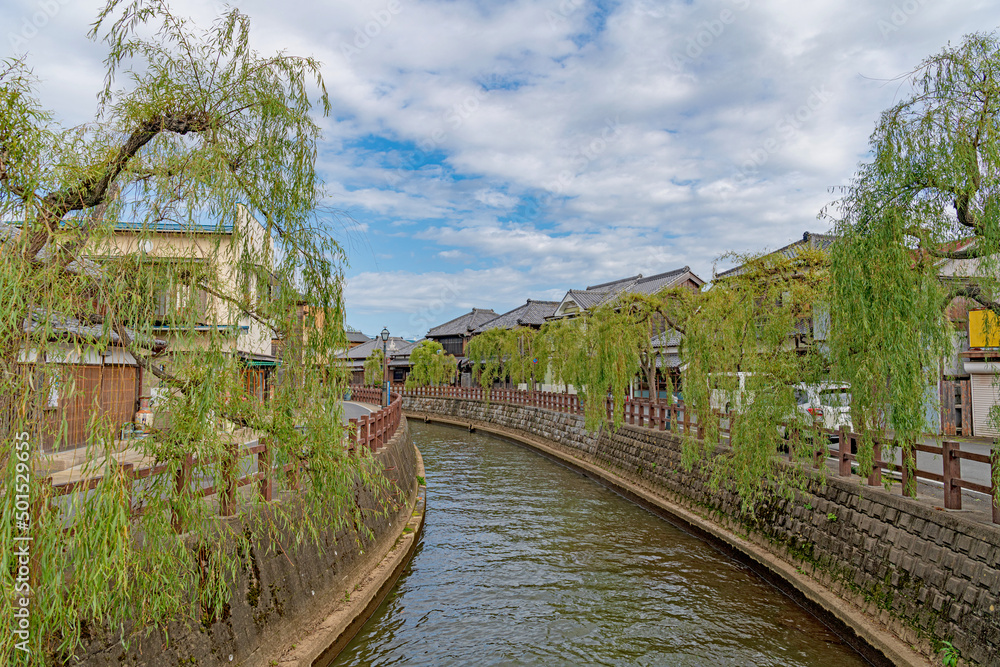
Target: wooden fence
x,y
956,407
184,475
366,394
371,431
677,417
376,429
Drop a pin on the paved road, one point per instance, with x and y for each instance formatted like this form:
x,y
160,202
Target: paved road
x,y
972,471
353,410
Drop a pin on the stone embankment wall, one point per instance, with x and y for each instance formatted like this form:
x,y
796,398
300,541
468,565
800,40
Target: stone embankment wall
x,y
280,592
924,575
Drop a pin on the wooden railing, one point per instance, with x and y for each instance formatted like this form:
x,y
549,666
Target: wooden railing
x,y
658,416
950,476
366,394
376,429
184,475
372,431
678,418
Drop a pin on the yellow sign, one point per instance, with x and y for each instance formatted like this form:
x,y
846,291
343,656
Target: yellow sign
x,y
984,329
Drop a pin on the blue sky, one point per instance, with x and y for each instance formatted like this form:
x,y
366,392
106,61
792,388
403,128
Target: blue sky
x,y
483,153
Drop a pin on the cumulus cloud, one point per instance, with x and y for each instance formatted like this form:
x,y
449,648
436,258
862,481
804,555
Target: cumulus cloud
x,y
492,152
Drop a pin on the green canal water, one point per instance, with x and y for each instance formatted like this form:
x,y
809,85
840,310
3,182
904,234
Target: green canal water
x,y
525,562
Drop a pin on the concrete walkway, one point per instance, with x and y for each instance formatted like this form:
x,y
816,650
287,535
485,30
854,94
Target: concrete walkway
x,y
975,506
80,463
355,409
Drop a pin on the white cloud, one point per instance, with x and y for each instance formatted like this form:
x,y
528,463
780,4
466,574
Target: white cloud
x,y
511,103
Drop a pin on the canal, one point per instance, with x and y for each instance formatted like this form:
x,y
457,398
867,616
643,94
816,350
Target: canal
x,y
525,562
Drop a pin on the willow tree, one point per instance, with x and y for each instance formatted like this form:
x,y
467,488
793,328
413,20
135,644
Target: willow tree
x,y
603,352
200,135
599,353
741,356
516,354
926,203
429,365
375,368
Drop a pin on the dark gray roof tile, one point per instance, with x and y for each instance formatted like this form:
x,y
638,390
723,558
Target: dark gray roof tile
x,y
363,351
463,325
604,293
532,313
809,239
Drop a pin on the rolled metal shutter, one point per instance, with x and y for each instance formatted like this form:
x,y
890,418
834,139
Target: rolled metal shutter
x,y
984,397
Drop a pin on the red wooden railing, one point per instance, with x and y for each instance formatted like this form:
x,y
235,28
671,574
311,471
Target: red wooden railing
x,y
366,394
658,416
371,431
679,419
183,476
376,429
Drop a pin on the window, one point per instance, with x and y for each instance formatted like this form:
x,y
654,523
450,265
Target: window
x,y
835,397
453,346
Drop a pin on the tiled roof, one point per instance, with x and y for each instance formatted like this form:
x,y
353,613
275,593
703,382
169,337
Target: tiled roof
x,y
165,226
532,313
356,336
818,241
587,299
464,324
668,361
71,327
596,295
363,351
667,339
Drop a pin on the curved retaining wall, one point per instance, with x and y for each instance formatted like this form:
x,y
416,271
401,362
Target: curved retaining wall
x,y
289,606
902,576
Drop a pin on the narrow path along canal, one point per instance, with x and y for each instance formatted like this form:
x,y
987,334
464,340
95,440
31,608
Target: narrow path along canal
x,y
525,562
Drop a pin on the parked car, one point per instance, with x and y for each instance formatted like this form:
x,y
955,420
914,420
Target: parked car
x,y
827,404
728,391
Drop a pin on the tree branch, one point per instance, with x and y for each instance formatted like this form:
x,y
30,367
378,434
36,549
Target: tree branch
x,y
244,307
974,292
93,190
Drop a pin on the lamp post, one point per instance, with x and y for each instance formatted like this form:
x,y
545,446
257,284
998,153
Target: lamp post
x,y
385,368
392,353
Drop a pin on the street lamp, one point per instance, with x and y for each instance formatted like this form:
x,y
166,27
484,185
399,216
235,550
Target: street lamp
x,y
385,367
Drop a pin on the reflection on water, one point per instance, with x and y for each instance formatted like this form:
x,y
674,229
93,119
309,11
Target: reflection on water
x,y
524,562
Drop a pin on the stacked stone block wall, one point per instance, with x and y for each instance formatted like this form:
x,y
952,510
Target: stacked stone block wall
x,y
929,576
280,589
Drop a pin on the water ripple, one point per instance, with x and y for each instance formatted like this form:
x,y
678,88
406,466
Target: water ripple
x,y
524,562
